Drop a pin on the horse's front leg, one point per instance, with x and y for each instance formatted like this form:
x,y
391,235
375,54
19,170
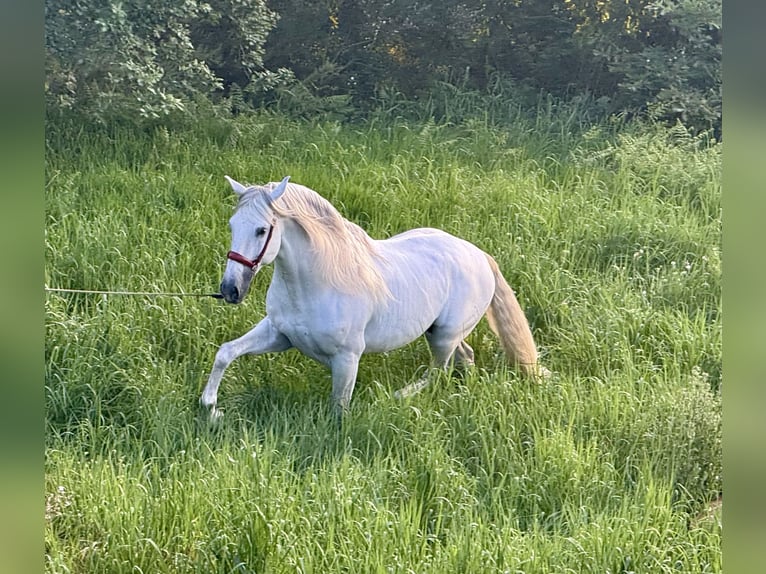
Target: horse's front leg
x,y
344,368
263,338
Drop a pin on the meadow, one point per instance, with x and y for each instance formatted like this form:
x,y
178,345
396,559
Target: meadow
x,y
610,235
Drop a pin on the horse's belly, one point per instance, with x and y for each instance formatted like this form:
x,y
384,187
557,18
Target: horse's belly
x,y
380,338
403,320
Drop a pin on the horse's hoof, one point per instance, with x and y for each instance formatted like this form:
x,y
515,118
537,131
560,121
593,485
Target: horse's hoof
x,y
411,389
215,415
544,373
211,413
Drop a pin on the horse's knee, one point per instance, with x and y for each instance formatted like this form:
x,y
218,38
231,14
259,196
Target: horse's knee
x,y
224,355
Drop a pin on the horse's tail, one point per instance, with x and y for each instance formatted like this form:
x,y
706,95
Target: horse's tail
x,y
508,322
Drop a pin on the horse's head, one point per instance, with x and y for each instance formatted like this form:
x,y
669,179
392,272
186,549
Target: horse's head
x,y
255,238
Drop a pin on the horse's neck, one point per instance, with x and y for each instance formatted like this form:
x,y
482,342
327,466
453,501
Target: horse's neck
x,y
295,265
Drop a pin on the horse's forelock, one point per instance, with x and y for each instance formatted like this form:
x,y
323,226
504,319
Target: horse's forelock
x,y
253,196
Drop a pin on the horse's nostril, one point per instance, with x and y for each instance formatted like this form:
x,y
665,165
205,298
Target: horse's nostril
x,y
230,292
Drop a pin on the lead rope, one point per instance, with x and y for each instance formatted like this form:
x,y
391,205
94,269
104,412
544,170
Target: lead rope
x,y
137,293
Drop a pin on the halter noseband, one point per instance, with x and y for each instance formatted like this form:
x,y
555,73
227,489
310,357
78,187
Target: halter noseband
x,y
252,264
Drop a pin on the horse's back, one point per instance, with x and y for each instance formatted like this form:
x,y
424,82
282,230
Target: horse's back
x,y
425,245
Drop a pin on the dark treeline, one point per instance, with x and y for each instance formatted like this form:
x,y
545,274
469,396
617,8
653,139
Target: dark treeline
x,y
150,58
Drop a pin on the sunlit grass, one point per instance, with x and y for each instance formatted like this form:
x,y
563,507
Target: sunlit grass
x,y
611,238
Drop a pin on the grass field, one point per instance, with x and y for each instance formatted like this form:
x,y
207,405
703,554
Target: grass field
x,y
610,236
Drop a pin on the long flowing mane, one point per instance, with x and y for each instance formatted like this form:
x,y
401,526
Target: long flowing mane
x,y
345,255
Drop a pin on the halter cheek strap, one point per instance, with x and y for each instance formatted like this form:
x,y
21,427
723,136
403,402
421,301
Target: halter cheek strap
x,y
251,263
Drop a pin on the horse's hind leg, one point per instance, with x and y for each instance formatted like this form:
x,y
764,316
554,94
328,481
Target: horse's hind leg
x,y
445,350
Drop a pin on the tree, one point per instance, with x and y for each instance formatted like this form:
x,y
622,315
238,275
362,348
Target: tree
x,y
675,72
148,58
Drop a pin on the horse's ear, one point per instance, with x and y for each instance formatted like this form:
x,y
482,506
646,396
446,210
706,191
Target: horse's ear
x,y
238,188
277,192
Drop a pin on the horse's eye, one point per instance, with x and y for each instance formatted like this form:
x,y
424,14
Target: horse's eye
x,y
260,232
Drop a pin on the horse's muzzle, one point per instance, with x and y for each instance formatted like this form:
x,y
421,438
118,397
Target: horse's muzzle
x,y
230,293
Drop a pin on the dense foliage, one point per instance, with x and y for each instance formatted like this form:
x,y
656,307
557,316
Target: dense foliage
x,y
149,58
660,58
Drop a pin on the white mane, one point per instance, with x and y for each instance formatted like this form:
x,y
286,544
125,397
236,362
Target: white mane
x,y
345,255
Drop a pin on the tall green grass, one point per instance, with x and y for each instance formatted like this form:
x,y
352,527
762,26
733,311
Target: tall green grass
x,y
609,234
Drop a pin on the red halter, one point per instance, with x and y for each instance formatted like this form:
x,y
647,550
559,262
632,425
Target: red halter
x,y
252,264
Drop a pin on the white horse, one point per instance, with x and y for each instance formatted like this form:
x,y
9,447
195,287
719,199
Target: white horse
x,y
336,293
